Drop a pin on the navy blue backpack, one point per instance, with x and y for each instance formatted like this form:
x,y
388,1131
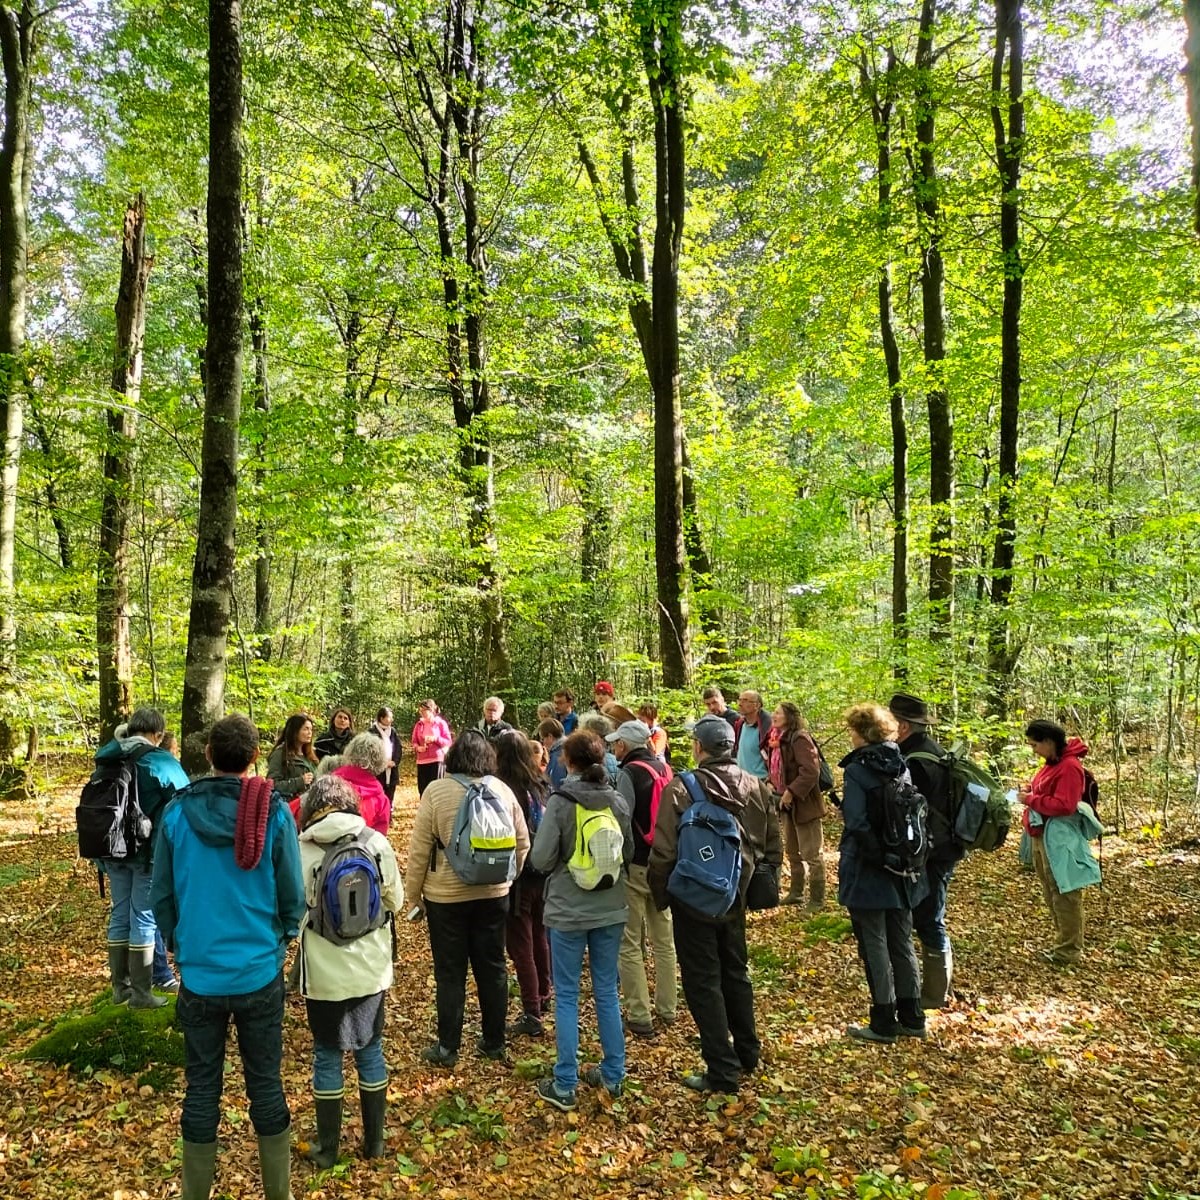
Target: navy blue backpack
x,y
708,855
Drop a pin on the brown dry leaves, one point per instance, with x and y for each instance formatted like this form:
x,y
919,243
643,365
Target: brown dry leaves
x,y
1036,1082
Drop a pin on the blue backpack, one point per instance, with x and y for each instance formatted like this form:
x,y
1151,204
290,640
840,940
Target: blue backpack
x,y
708,855
349,891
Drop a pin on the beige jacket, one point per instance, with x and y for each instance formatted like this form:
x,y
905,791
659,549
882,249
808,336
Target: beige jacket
x,y
434,822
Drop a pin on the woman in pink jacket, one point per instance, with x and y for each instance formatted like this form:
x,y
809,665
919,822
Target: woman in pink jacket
x,y
364,760
431,738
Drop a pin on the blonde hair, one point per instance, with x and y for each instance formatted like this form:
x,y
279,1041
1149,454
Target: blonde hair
x,y
872,723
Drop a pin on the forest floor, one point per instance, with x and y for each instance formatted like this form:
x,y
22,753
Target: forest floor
x,y
1036,1083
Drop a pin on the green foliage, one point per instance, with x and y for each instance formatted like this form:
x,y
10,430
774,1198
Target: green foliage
x,y
113,1036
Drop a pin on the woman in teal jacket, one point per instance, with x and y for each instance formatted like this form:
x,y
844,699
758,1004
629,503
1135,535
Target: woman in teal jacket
x,y
131,923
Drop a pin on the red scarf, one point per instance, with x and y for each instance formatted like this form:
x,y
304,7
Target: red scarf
x,y
250,834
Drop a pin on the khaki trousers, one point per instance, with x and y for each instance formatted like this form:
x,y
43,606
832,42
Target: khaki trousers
x,y
645,921
802,842
1065,908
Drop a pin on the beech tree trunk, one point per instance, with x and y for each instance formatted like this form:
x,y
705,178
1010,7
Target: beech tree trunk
x,y
18,29
114,652
260,344
1191,72
212,573
933,313
881,95
1009,147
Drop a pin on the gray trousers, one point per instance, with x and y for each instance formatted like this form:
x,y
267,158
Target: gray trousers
x,y
885,945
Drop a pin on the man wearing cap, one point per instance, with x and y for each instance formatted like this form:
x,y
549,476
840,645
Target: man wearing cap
x,y
640,769
933,782
712,952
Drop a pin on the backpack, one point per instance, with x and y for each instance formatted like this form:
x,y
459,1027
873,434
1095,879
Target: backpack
x,y
483,844
708,855
660,779
109,818
979,813
1091,791
899,817
349,887
599,854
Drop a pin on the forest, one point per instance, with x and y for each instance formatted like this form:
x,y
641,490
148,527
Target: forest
x,y
354,352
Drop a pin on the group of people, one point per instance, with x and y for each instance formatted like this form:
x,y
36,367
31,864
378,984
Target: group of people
x,y
235,877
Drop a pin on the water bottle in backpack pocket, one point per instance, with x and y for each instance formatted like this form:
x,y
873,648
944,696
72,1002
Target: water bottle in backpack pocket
x,y
708,855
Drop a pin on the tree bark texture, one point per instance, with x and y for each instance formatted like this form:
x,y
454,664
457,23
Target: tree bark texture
x,y
1009,146
881,94
66,551
212,573
1191,12
260,345
933,314
18,29
114,651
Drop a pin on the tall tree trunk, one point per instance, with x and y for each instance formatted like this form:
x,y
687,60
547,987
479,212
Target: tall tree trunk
x,y
882,103
18,29
112,559
260,346
212,573
352,330
933,313
66,552
1009,147
1191,12
716,645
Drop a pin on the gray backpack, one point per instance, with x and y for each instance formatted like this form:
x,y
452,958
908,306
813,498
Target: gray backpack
x,y
349,886
483,844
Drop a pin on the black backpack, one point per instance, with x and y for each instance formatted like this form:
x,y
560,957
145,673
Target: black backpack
x,y
109,818
899,817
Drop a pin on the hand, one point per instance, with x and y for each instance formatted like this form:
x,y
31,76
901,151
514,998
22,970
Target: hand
x,y
785,801
307,777
391,763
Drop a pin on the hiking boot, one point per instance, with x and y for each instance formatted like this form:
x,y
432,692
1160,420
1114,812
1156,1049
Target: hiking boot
x,y
910,1019
324,1151
440,1056
641,1029
701,1082
795,895
593,1078
667,1019
495,1053
374,1107
564,1102
170,986
882,1027
527,1025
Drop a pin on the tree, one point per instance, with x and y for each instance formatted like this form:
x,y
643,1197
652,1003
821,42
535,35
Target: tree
x,y
213,568
112,560
1010,142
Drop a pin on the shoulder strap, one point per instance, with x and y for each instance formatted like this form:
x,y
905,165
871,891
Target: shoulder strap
x,y
648,767
694,789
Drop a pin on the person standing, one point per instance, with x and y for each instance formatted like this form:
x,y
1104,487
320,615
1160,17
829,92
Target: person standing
x,y
292,762
712,951
132,933
751,732
945,852
637,780
492,724
714,702
550,735
344,984
383,727
564,710
879,901
1055,792
431,738
228,895
794,766
466,921
333,740
582,921
361,767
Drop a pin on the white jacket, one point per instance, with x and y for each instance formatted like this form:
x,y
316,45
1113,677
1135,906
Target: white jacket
x,y
364,967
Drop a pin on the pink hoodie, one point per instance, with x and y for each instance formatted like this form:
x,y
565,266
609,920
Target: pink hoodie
x,y
373,803
436,728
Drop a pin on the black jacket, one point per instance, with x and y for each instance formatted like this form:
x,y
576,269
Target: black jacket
x,y
636,784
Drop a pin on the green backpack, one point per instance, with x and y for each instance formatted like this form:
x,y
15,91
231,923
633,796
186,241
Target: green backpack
x,y
980,813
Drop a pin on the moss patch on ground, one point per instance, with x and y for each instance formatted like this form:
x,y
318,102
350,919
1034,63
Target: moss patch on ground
x,y
113,1036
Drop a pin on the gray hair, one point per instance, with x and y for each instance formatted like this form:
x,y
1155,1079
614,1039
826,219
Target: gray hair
x,y
365,750
598,723
496,701
330,762
330,793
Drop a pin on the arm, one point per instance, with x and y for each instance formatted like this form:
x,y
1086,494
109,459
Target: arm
x,y
419,850
279,773
662,849
808,766
289,879
393,884
625,788
545,855
444,738
854,813
520,825
1061,794
417,740
162,888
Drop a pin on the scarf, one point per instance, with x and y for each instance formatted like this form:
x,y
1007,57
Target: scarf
x,y
250,834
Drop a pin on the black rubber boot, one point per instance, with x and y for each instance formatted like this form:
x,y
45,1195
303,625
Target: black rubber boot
x,y
374,1106
324,1151
910,1019
882,1027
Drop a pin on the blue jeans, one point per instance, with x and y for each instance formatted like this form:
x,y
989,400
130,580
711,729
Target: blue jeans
x,y
929,917
328,1061
204,1021
162,972
566,960
131,919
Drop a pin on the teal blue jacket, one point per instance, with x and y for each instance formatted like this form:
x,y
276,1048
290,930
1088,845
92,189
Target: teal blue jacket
x,y
1068,850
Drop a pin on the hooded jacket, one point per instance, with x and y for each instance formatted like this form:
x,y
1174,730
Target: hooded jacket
x,y
723,783
862,884
364,966
373,804
286,771
229,928
332,742
567,906
159,777
933,782
1057,788
1068,851
433,727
